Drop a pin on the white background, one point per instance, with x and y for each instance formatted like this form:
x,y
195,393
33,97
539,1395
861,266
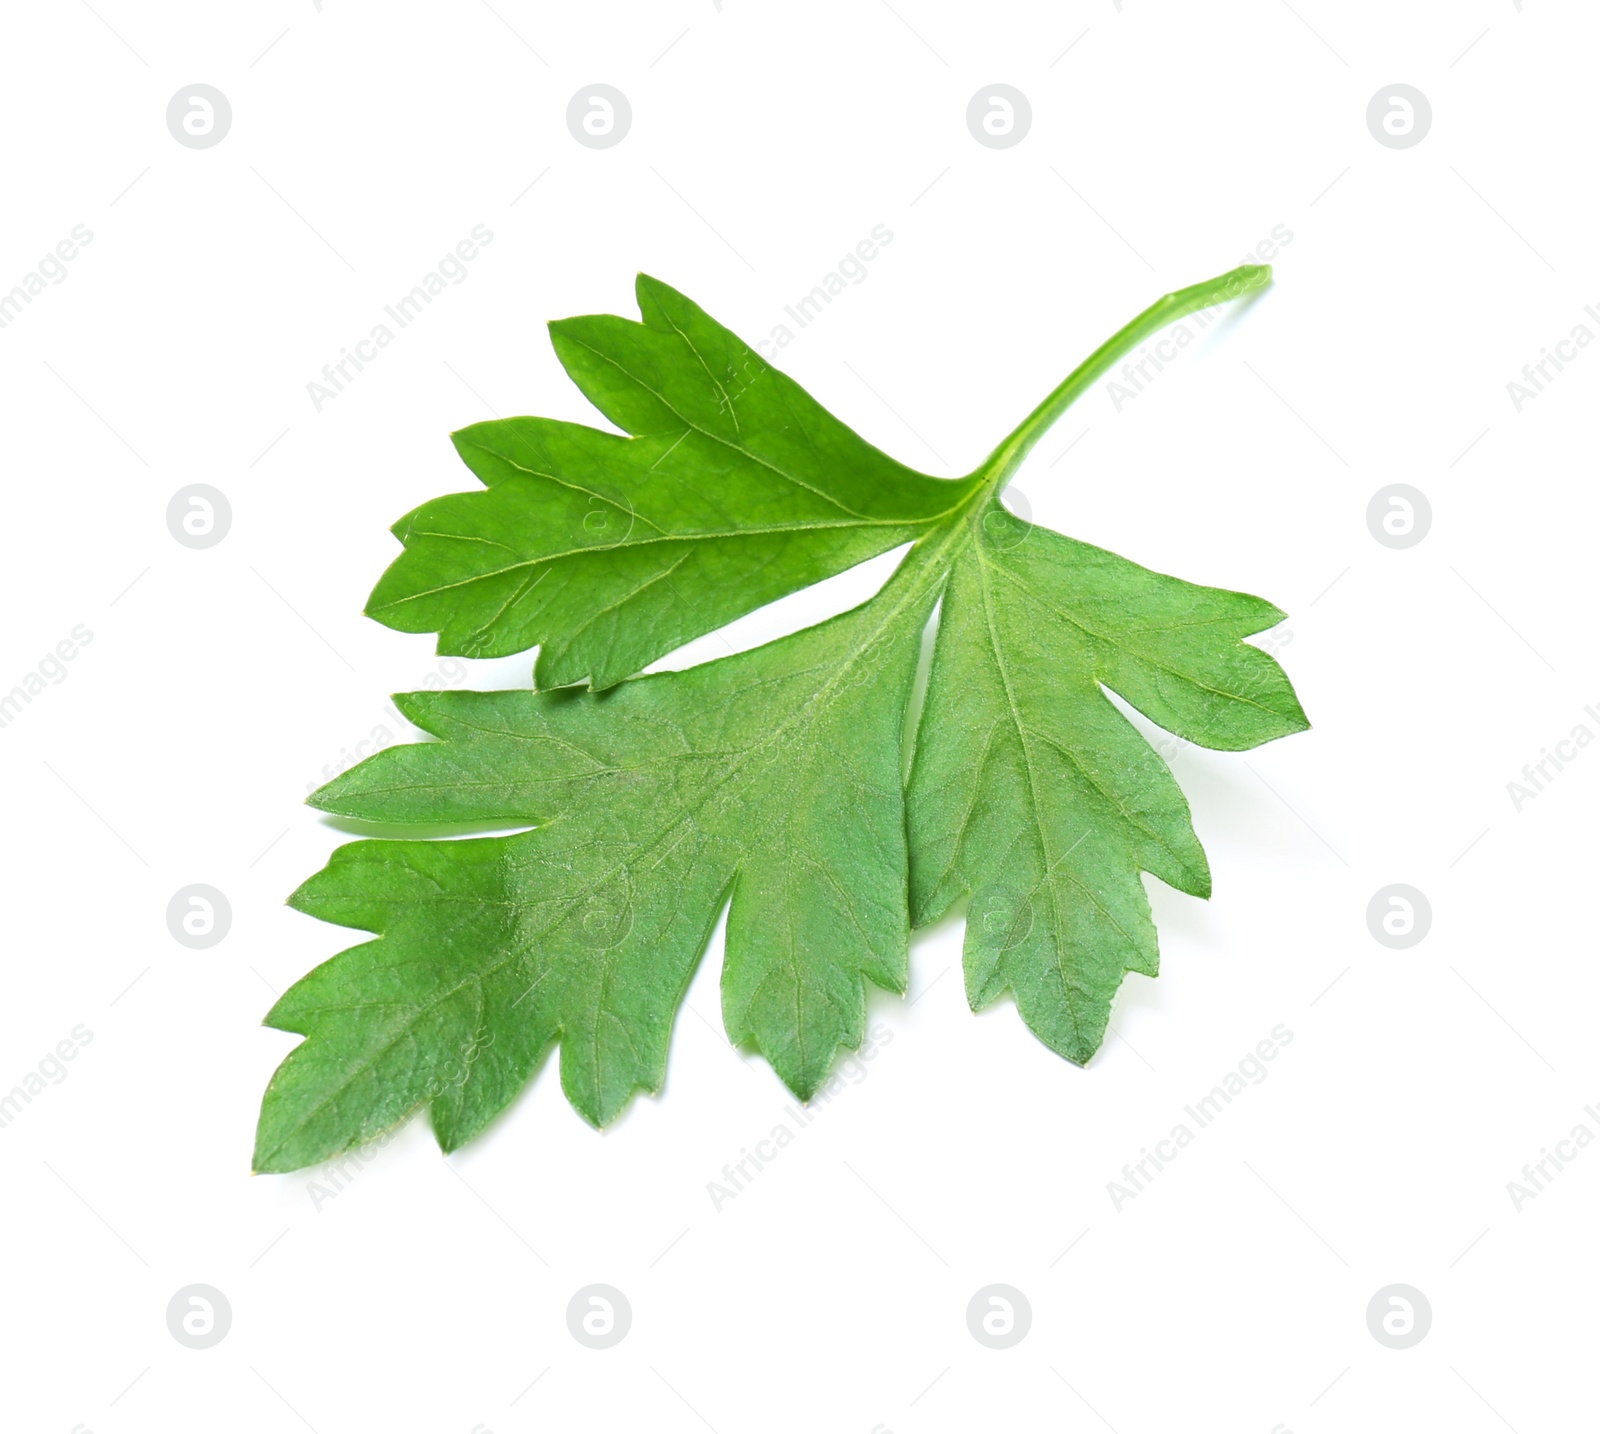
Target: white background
x,y
767,139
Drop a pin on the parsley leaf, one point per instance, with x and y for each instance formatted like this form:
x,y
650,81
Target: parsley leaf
x,y
1034,794
775,773
773,779
736,488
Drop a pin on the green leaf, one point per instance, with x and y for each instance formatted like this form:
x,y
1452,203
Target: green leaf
x,y
608,552
1035,795
774,776
772,780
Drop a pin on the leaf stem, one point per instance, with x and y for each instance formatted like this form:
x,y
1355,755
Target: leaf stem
x,y
1006,459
